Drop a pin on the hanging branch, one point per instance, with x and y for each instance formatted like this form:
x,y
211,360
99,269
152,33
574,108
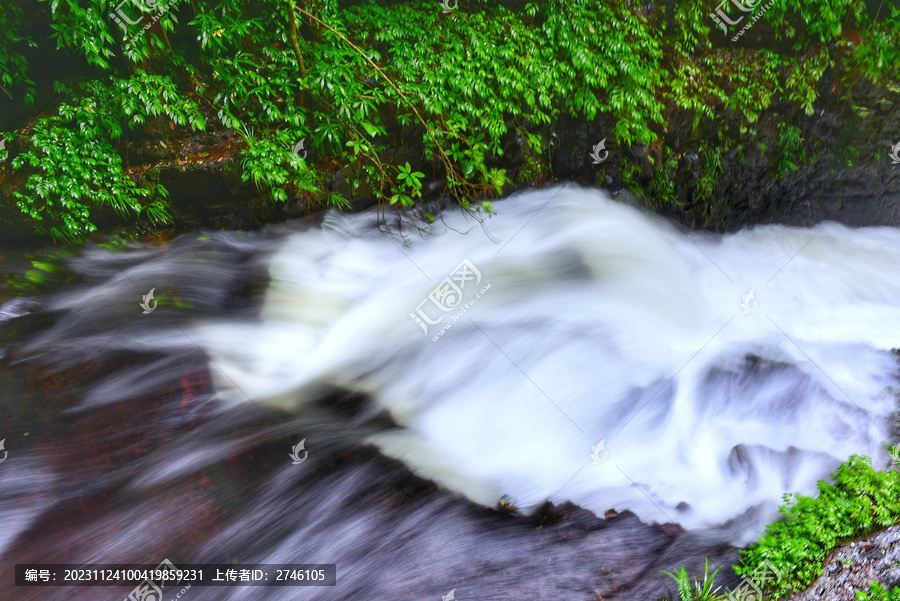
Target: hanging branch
x,y
452,173
292,31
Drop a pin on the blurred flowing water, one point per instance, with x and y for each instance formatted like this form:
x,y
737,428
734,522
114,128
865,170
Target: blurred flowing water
x,y
596,359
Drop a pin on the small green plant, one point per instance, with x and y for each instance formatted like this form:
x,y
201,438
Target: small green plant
x,y
698,591
879,593
709,176
410,186
663,184
792,152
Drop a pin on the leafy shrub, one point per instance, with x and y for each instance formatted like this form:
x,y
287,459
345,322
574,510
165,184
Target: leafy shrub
x,y
860,500
75,165
274,166
879,593
13,66
878,55
353,80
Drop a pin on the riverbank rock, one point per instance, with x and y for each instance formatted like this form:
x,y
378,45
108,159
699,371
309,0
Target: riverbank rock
x,y
854,566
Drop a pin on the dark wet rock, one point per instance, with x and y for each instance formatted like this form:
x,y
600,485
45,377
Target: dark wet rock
x,y
349,183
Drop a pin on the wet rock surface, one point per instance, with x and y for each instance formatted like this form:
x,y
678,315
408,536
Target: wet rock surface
x,y
855,566
123,454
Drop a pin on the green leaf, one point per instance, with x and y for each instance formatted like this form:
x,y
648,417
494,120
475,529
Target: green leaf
x,y
370,129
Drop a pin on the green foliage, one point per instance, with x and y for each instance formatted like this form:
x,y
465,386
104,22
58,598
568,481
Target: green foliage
x,y
631,177
791,149
88,27
683,582
74,162
13,67
663,183
374,73
860,500
410,186
879,593
752,82
816,20
45,270
626,65
709,176
273,165
878,55
508,71
691,27
692,87
700,590
803,82
76,172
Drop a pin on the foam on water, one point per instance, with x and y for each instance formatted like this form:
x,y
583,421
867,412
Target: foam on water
x,y
599,324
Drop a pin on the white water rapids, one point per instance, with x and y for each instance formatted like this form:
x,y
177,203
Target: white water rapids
x,y
583,320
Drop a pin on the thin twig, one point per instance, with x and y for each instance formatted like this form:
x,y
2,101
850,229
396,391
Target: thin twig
x,y
446,160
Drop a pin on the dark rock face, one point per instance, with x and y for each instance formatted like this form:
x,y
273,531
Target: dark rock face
x,y
848,176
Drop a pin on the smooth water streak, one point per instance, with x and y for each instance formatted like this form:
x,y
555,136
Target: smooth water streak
x,y
600,323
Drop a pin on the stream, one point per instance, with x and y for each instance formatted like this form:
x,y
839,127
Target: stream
x,y
643,397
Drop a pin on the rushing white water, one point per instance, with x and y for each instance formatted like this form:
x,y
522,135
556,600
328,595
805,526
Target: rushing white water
x,y
586,321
